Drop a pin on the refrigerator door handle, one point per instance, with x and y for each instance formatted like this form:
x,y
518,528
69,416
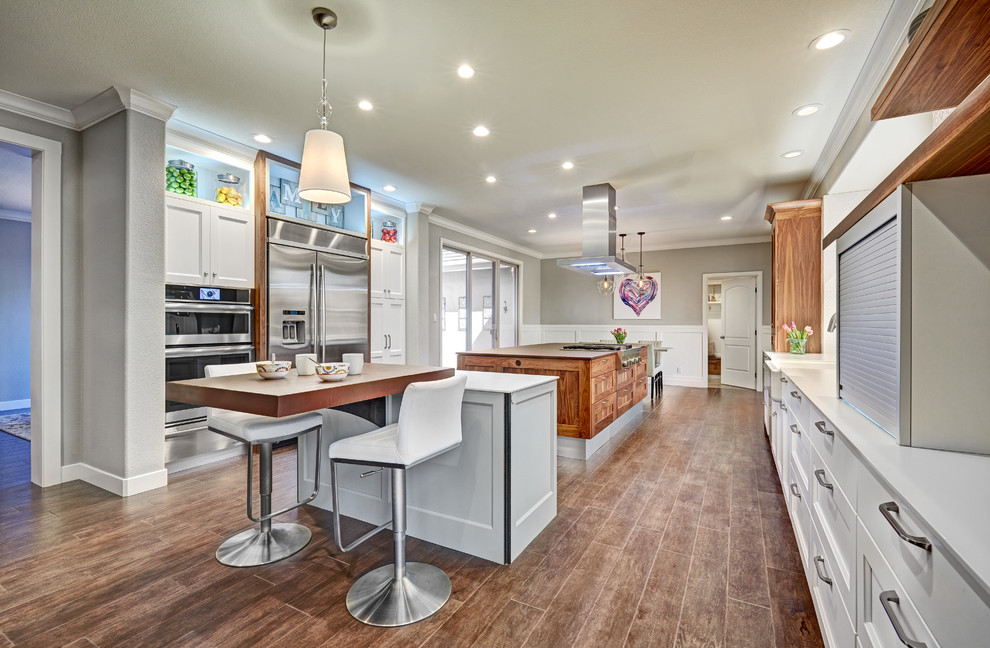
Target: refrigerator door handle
x,y
313,303
323,313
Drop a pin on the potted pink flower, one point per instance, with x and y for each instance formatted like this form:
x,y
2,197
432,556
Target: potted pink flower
x,y
619,334
796,337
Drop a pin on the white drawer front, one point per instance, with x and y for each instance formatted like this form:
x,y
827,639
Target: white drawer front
x,y
830,602
777,424
796,402
834,450
956,614
800,452
797,504
835,517
877,627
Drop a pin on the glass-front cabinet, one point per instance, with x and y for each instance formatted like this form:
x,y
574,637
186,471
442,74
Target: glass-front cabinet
x,y
281,192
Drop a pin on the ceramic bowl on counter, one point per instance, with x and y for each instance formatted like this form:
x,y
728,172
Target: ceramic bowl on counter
x,y
332,371
273,370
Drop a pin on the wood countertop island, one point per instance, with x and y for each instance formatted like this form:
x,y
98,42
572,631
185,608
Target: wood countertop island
x,y
593,388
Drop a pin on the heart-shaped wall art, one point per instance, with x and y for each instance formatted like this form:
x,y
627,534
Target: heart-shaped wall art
x,y
638,297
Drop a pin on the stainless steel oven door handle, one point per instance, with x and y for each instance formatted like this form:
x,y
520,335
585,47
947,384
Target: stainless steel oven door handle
x,y
187,352
182,307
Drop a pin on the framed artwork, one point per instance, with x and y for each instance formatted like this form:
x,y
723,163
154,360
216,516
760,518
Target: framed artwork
x,y
335,217
275,205
290,193
632,302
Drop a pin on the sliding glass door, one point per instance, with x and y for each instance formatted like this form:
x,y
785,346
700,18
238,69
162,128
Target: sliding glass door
x,y
478,296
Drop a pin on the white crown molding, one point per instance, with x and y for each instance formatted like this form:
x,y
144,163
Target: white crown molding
x,y
739,240
8,214
201,142
419,208
440,221
107,103
888,43
35,109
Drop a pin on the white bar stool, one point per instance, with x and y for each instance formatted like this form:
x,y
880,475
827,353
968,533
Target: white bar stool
x,y
429,425
266,543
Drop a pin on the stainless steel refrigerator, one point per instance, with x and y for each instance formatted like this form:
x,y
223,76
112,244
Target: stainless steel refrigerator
x,y
317,292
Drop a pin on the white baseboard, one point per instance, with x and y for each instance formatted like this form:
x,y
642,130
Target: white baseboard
x,y
122,486
674,381
15,404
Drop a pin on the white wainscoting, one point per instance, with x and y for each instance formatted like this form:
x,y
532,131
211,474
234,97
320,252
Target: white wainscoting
x,y
683,365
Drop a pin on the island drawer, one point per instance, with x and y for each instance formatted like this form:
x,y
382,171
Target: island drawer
x,y
603,365
603,413
602,386
623,377
623,399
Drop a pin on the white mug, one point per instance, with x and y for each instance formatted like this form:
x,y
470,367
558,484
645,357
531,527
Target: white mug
x,y
356,361
306,364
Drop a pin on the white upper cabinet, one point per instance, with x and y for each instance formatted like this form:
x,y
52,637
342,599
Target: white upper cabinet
x,y
207,245
388,270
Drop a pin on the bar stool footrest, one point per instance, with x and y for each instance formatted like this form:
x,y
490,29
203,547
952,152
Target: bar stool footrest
x,y
255,547
379,599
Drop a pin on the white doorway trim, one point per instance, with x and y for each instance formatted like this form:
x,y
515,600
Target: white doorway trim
x,y
46,304
715,276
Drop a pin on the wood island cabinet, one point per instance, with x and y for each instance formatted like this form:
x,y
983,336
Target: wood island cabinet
x,y
796,269
593,389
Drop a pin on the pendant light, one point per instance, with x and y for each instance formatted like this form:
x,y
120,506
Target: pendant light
x,y
323,176
642,280
606,285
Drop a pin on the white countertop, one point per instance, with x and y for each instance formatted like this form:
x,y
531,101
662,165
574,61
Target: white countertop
x,y
945,489
503,383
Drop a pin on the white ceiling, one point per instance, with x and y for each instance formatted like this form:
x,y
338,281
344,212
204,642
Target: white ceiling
x,y
685,107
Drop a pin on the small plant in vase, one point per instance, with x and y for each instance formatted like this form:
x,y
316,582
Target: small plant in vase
x,y
796,337
619,334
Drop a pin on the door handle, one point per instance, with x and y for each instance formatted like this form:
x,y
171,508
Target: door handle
x,y
796,395
886,598
820,570
821,428
721,337
820,476
323,314
313,305
795,429
887,509
794,491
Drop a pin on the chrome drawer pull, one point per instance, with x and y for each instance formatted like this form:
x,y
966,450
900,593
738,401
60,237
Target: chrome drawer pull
x,y
782,379
795,430
821,428
887,509
796,395
783,406
794,491
820,476
886,598
821,570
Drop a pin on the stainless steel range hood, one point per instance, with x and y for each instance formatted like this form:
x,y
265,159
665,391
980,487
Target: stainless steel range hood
x,y
598,235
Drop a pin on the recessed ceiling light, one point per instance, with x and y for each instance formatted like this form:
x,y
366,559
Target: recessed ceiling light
x,y
809,109
465,71
568,165
490,179
532,231
792,154
727,218
389,188
480,131
831,39
261,138
364,104
551,215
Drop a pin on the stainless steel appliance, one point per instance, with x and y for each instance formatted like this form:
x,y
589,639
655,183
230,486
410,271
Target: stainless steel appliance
x,y
630,353
203,326
317,292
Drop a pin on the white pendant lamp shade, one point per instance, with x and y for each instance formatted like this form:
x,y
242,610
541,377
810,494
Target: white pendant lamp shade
x,y
323,176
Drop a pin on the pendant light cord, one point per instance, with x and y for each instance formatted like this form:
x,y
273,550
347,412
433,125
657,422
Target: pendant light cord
x,y
324,108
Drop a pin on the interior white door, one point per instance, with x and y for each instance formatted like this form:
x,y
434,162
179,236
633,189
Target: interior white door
x,y
739,332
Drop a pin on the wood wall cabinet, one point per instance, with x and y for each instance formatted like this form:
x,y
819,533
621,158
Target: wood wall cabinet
x,y
797,269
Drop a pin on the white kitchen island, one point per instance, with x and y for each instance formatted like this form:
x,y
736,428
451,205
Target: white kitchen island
x,y
489,498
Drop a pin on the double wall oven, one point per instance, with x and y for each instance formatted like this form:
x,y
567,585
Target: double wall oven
x,y
203,326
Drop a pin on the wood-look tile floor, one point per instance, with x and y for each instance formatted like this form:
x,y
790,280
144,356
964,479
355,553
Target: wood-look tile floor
x,y
675,534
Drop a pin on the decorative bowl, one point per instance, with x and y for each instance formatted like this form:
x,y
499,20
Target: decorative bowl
x,y
332,371
274,370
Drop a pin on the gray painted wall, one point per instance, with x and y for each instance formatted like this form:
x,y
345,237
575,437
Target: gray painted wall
x,y
571,298
531,280
15,310
72,296
123,266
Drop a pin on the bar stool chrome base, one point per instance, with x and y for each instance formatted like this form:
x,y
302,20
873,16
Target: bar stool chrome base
x,y
380,599
255,547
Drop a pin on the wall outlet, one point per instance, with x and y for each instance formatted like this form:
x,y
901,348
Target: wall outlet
x,y
679,370
435,320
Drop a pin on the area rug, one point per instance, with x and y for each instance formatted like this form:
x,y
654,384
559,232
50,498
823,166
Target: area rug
x,y
18,425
